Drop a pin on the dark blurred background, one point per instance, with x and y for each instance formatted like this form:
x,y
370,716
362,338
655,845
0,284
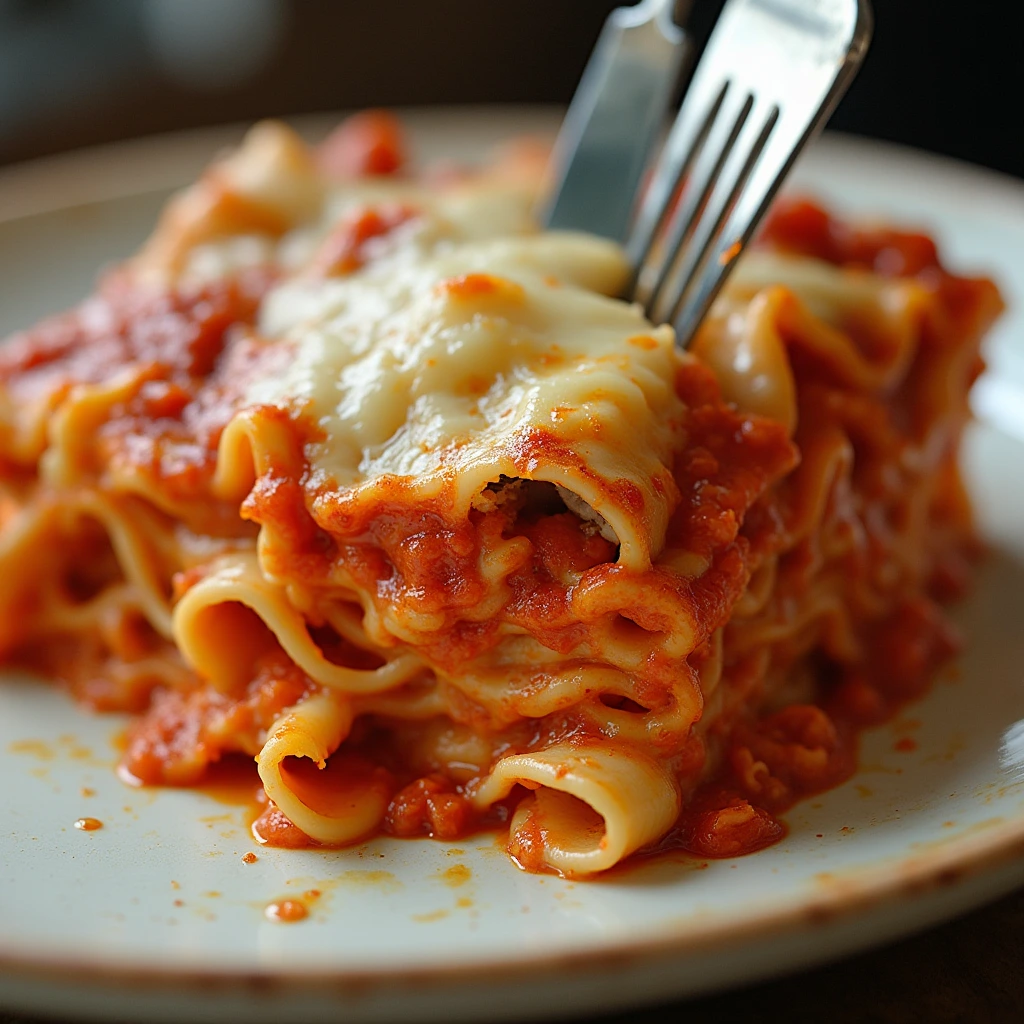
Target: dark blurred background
x,y
943,76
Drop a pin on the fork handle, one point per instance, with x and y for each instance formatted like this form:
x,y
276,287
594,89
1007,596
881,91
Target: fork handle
x,y
671,12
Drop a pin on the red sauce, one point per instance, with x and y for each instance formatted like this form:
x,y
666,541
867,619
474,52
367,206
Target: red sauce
x,y
801,226
368,143
182,357
185,732
475,287
272,828
88,824
359,237
180,333
526,846
430,806
286,911
729,826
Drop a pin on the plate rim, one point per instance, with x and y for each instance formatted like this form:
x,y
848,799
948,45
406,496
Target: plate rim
x,y
954,862
34,188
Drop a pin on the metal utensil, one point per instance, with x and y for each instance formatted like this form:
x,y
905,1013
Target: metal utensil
x,y
616,117
772,73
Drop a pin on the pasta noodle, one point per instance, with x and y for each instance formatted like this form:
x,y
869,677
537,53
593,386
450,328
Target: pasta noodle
x,y
313,730
364,477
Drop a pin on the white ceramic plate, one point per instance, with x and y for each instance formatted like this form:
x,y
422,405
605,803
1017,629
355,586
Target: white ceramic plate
x,y
156,917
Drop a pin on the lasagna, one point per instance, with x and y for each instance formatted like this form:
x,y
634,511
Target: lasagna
x,y
359,474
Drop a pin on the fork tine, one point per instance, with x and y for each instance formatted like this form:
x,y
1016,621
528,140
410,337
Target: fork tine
x,y
771,73
792,132
712,238
683,146
761,188
698,191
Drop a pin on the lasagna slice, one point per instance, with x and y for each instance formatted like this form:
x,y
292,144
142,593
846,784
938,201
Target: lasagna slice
x,y
364,477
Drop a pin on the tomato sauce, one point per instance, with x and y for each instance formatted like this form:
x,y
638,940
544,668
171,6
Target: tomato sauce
x,y
179,332
360,237
367,144
286,911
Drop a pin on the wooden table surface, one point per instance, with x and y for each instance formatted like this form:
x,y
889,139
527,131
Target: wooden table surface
x,y
969,971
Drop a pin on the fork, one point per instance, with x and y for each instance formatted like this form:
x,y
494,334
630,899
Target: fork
x,y
616,118
769,78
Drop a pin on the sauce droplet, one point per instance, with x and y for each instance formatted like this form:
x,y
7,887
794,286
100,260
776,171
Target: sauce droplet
x,y
250,858
285,911
88,824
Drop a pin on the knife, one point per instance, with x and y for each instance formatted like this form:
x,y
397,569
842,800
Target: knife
x,y
616,117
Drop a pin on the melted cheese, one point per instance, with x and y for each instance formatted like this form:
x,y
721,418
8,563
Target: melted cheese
x,y
482,360
772,301
267,204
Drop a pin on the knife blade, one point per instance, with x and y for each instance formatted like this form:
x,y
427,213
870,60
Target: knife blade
x,y
615,118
